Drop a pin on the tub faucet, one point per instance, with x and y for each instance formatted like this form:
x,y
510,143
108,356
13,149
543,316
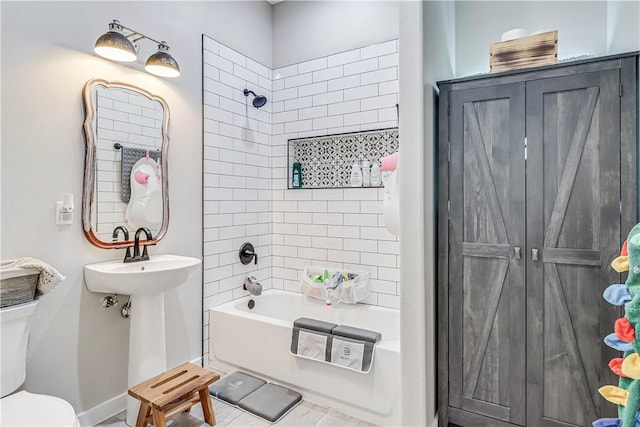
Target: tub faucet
x,y
252,286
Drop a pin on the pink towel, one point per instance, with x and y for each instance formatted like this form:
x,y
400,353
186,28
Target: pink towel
x,y
388,163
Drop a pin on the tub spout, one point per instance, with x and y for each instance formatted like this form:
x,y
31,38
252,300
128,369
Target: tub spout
x,y
252,286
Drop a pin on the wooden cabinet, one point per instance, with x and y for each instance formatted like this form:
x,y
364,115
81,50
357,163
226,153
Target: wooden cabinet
x,y
537,190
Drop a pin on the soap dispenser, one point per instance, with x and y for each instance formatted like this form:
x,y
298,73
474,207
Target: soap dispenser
x,y
356,174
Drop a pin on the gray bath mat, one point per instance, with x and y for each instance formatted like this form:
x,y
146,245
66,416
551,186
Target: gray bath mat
x,y
235,387
265,400
270,402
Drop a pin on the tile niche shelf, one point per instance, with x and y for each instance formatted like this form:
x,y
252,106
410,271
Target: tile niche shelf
x,y
326,161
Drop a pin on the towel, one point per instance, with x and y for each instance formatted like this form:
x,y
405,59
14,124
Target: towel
x,y
388,163
145,203
49,276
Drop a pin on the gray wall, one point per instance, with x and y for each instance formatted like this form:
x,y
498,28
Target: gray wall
x,y
584,28
78,350
304,30
623,26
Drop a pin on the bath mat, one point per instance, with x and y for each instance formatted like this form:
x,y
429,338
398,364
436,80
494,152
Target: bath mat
x,y
264,400
270,402
235,387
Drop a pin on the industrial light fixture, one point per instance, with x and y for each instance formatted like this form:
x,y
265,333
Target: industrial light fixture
x,y
118,46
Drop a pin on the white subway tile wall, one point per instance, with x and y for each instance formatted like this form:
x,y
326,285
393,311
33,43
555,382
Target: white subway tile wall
x,y
343,228
237,174
132,120
245,171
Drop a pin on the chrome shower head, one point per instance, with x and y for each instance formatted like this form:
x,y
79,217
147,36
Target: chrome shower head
x,y
258,100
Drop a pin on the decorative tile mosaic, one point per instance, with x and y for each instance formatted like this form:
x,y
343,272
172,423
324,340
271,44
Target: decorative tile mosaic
x,y
327,160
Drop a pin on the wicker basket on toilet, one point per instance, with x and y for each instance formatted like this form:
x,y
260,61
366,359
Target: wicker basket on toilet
x,y
336,286
17,285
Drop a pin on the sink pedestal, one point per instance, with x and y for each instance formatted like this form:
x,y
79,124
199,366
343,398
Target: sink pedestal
x,y
146,282
147,345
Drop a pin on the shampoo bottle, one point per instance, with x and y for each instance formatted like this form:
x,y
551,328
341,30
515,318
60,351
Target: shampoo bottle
x,y
296,175
356,175
366,174
375,175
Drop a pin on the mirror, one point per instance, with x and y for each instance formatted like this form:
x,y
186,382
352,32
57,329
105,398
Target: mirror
x,y
125,172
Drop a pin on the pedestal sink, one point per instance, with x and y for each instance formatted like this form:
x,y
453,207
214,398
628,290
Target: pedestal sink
x,y
146,282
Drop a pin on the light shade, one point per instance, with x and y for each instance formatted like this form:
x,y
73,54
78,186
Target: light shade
x,y
114,45
162,63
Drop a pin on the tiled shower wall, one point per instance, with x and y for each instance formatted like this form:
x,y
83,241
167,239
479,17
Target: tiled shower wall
x,y
245,171
237,174
347,92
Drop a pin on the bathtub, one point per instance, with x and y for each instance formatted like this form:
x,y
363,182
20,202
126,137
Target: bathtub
x,y
258,340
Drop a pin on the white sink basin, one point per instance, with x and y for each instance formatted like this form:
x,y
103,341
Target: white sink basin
x,y
156,275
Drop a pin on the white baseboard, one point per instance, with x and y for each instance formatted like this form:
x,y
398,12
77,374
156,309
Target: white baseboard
x,y
103,411
111,407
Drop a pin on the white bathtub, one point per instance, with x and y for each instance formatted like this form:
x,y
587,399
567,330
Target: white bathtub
x,y
258,341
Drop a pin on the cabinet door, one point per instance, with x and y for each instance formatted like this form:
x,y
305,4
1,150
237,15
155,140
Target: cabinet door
x,y
486,275
573,222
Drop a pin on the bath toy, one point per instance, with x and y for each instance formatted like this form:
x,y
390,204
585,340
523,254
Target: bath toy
x,y
625,338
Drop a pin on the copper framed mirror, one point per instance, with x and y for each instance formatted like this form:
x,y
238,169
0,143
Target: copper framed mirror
x,y
125,170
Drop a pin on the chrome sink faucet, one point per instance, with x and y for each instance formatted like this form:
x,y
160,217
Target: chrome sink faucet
x,y
125,232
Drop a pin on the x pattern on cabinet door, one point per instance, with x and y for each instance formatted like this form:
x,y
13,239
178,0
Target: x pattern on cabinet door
x,y
553,255
499,250
487,219
573,197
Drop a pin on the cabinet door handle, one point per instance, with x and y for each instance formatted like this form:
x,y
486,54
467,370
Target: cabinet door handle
x,y
534,254
516,252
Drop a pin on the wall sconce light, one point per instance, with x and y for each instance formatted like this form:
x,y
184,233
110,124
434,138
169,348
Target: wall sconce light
x,y
117,46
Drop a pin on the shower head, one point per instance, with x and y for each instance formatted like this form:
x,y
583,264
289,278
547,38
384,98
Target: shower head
x,y
258,101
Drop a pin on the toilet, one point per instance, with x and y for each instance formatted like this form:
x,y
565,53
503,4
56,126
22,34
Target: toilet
x,y
23,408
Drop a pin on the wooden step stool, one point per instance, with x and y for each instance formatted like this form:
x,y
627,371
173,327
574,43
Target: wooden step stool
x,y
173,392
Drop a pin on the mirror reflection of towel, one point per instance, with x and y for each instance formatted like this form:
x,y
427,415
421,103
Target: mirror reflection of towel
x,y
145,204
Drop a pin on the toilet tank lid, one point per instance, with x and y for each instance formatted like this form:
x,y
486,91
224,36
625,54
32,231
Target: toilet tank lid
x,y
15,312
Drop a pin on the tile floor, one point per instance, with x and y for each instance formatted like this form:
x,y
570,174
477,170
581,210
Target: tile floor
x,y
305,414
